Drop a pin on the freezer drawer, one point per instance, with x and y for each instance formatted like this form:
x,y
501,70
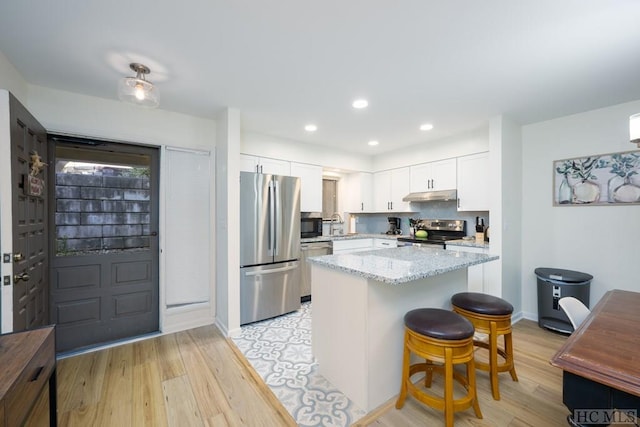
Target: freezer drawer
x,y
269,290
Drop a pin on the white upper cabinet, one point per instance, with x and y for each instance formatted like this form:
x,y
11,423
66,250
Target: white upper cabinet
x,y
473,182
310,186
433,176
359,192
389,187
264,165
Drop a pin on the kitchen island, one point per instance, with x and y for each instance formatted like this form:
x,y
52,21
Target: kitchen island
x,y
359,301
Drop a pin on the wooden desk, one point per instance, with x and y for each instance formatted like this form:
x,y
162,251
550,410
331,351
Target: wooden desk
x,y
27,363
601,359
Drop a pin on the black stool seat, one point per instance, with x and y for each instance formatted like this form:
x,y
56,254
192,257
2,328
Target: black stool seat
x,y
438,323
482,303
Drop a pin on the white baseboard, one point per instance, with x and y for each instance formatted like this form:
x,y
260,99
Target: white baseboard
x,y
187,317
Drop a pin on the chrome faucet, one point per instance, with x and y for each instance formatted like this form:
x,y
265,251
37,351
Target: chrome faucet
x,y
332,222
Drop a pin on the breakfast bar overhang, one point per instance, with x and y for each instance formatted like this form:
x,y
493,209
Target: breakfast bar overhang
x,y
359,301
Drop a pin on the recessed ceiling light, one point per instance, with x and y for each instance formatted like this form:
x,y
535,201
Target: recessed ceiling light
x,y
311,128
426,126
360,103
373,143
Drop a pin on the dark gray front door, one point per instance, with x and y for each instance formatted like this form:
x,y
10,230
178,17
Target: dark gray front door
x,y
104,242
29,212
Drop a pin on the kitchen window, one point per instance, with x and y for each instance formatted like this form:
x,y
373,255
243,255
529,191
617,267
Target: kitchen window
x,y
329,198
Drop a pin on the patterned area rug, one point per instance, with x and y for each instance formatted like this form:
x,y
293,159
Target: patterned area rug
x,y
279,349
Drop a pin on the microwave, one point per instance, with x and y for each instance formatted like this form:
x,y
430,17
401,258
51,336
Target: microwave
x,y
310,224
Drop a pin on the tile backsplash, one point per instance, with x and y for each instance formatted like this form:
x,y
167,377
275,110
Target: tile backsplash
x,y
377,223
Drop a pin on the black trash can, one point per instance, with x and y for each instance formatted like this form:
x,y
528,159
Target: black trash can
x,y
553,284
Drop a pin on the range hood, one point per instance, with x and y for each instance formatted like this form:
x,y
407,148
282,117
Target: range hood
x,y
431,196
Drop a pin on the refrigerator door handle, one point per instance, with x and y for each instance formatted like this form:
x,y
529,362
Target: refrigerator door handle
x,y
272,217
271,271
277,218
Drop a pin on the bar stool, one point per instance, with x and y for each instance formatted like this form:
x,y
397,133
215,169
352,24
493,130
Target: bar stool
x,y
489,315
446,338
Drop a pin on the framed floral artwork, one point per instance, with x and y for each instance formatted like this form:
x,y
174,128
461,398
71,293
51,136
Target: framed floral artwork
x,y
607,179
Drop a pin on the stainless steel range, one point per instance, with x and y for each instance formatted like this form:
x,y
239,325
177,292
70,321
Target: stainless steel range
x,y
438,232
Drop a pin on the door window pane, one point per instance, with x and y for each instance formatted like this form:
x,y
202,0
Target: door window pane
x,y
102,201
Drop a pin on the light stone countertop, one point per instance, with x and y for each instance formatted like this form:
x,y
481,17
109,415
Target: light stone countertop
x,y
468,243
350,237
401,265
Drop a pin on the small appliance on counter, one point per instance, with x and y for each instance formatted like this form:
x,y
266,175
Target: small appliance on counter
x,y
310,224
437,231
394,225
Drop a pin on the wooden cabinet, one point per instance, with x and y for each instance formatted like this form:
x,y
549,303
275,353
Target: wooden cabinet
x,y
310,186
358,192
473,182
28,362
389,187
433,176
257,164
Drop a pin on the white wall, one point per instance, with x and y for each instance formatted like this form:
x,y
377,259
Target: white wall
x,y
66,112
295,151
11,80
6,239
505,157
472,142
599,240
228,222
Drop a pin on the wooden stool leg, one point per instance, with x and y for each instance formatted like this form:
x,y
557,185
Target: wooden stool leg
x,y
448,387
428,377
471,376
493,361
405,373
508,347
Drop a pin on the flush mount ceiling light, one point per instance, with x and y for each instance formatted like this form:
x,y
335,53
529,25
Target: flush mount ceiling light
x,y
360,104
137,90
426,126
634,129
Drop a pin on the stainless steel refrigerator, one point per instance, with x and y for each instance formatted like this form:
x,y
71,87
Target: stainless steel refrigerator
x,y
269,246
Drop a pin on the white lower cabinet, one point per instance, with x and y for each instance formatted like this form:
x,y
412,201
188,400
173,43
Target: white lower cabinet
x,y
352,245
384,243
357,245
475,273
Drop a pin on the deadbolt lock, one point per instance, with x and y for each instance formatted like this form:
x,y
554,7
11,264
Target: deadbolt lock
x,y
17,277
18,257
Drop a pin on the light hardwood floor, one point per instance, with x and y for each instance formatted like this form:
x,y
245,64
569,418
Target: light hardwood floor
x,y
198,377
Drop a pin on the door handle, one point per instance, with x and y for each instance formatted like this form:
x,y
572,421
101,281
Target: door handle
x,y
271,271
18,257
18,277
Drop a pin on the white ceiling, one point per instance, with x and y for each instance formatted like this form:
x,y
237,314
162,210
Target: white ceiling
x,y
285,63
